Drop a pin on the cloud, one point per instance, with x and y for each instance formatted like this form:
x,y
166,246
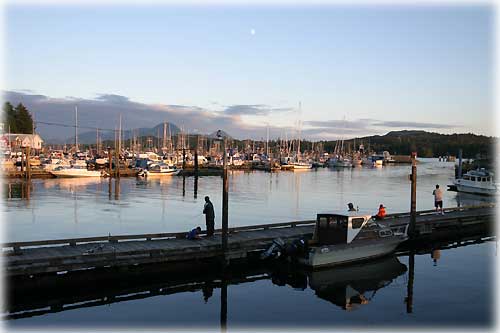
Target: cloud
x,y
104,111
341,124
253,110
412,124
373,124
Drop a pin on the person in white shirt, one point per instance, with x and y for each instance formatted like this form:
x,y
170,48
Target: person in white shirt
x,y
438,199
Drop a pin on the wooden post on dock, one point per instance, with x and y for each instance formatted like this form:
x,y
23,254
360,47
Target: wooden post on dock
x,y
22,162
225,193
196,161
413,205
110,160
117,163
183,158
28,166
459,173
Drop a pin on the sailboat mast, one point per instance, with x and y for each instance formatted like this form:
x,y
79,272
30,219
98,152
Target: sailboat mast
x,y
76,129
120,134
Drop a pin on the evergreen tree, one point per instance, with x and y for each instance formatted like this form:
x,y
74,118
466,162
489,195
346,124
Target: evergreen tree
x,y
24,122
9,117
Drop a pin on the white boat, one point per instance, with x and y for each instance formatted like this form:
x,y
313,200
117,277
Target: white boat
x,y
343,238
53,163
75,171
340,162
478,181
301,165
159,170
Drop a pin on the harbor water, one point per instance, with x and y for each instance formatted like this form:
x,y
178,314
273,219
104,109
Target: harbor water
x,y
451,287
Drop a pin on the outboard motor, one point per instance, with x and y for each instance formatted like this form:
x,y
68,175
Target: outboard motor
x,y
275,250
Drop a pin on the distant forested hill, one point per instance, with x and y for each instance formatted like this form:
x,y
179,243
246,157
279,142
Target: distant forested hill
x,y
426,144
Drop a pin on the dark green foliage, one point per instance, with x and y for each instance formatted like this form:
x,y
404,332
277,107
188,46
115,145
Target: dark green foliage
x,y
24,122
9,117
427,144
18,119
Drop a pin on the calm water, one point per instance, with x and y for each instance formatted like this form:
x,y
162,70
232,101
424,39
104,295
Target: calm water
x,y
66,208
455,291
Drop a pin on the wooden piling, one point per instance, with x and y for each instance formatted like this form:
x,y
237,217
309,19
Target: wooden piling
x,y
183,158
413,204
28,166
225,192
22,161
110,160
117,163
459,173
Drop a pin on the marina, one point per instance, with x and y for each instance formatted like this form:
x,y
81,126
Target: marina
x,y
243,168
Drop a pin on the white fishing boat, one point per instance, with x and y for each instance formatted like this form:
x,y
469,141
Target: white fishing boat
x,y
343,238
301,165
340,162
75,171
53,163
159,170
478,181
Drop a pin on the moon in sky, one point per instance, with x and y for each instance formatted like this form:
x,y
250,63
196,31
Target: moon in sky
x,y
252,31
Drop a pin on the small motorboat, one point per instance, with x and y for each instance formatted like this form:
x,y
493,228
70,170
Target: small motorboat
x,y
343,238
75,171
478,181
159,170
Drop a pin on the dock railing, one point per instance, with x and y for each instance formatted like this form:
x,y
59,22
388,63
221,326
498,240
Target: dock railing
x,y
17,246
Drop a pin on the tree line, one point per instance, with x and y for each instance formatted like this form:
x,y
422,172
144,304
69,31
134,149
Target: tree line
x,y
17,119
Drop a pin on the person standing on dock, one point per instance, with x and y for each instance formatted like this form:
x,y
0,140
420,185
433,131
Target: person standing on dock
x,y
208,210
438,199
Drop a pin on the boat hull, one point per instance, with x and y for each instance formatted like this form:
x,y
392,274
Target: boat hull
x,y
66,174
162,174
476,190
335,255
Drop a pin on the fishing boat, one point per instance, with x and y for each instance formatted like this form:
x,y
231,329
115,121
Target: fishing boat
x,y
343,238
53,163
75,171
478,181
340,162
301,165
159,170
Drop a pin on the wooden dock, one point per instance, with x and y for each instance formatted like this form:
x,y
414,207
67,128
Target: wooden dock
x,y
63,255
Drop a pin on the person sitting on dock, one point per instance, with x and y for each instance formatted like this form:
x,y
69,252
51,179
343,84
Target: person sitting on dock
x,y
381,213
194,234
208,210
438,199
351,207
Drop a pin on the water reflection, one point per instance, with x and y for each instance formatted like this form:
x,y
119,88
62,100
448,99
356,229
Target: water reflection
x,y
346,287
352,286
469,199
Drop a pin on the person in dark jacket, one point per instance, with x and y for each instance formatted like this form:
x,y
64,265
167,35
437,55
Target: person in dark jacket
x,y
208,210
194,234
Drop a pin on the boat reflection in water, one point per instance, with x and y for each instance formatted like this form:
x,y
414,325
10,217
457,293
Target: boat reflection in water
x,y
348,287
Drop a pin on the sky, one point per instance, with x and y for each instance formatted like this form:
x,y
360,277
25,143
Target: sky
x,y
355,70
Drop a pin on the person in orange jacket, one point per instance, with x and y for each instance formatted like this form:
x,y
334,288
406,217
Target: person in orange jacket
x,y
381,213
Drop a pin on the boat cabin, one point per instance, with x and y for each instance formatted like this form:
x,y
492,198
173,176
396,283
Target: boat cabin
x,y
478,176
339,228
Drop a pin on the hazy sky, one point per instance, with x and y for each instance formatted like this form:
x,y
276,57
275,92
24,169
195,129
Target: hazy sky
x,y
410,67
